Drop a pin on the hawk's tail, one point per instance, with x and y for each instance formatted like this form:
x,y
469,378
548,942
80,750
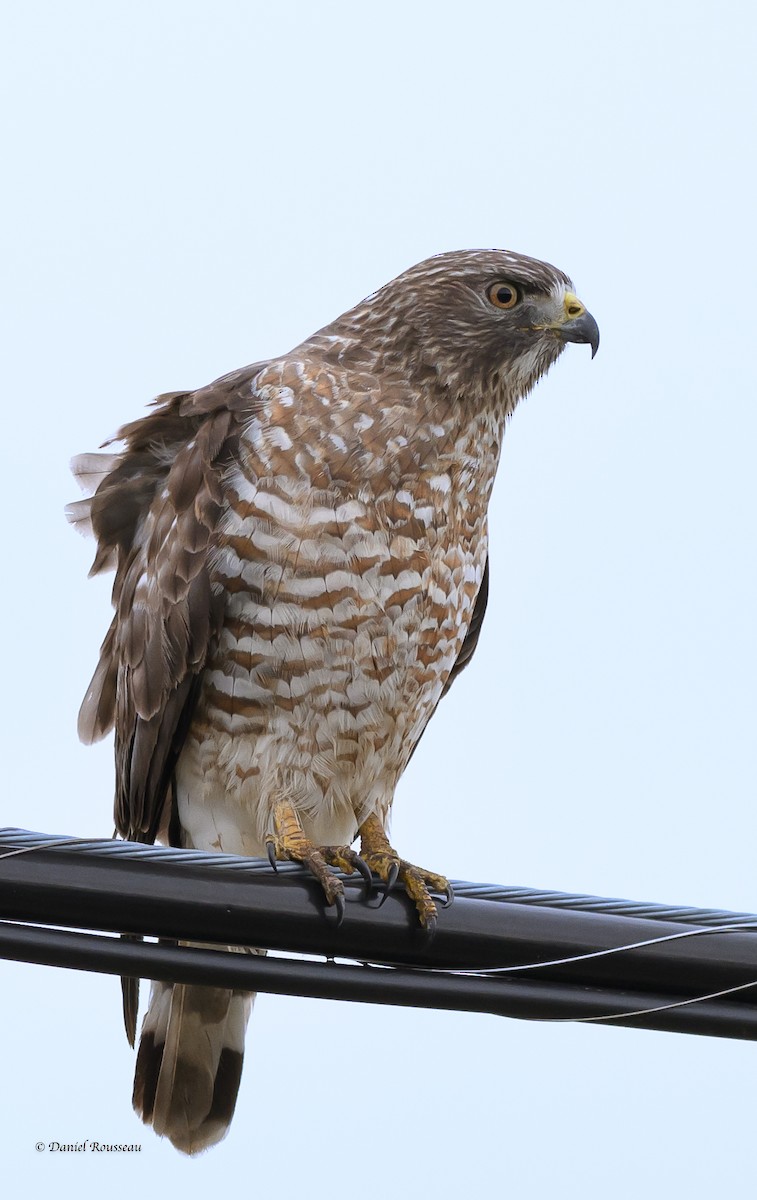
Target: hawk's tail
x,y
189,1062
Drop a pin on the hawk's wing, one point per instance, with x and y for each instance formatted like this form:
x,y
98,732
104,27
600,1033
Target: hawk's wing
x,y
468,647
154,514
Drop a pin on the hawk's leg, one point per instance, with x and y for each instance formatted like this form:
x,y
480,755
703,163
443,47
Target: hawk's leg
x,y
377,852
288,841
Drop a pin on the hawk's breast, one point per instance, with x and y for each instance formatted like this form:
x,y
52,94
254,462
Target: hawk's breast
x,y
345,611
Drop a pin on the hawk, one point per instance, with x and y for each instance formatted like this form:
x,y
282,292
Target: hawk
x,y
301,572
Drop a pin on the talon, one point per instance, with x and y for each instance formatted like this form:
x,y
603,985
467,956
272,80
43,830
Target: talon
x,y
391,879
289,842
429,926
366,873
417,882
345,859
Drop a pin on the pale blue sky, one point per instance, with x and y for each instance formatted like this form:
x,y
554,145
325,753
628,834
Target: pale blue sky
x,y
189,187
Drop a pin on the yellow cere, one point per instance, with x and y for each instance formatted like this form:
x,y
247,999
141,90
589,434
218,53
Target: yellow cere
x,y
572,307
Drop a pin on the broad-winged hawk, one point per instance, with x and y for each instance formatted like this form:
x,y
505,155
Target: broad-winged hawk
x,y
300,552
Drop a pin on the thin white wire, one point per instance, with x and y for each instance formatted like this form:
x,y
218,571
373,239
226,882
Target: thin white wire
x,y
636,1012
596,1017
641,1012
38,846
576,958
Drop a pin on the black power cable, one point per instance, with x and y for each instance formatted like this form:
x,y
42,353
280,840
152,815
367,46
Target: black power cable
x,y
517,952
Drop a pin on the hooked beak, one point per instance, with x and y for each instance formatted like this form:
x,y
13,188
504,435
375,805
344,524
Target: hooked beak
x,y
577,325
582,329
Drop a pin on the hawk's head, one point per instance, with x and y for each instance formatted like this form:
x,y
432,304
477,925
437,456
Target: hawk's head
x,y
489,319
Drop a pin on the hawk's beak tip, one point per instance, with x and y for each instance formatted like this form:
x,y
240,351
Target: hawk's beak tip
x,y
582,329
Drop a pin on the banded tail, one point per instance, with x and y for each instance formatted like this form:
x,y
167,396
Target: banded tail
x,y
189,1062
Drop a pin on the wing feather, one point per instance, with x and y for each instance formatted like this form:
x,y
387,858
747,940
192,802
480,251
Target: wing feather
x,y
155,512
468,647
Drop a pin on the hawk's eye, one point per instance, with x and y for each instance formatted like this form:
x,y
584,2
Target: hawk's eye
x,y
503,295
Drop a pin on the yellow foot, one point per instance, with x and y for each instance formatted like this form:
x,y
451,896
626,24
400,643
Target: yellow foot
x,y
377,852
288,842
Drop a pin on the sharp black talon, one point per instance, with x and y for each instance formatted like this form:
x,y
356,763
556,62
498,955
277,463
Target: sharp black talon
x,y
271,849
449,896
394,871
365,871
429,928
339,905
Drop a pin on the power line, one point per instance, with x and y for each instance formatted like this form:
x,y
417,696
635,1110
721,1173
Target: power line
x,y
513,951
